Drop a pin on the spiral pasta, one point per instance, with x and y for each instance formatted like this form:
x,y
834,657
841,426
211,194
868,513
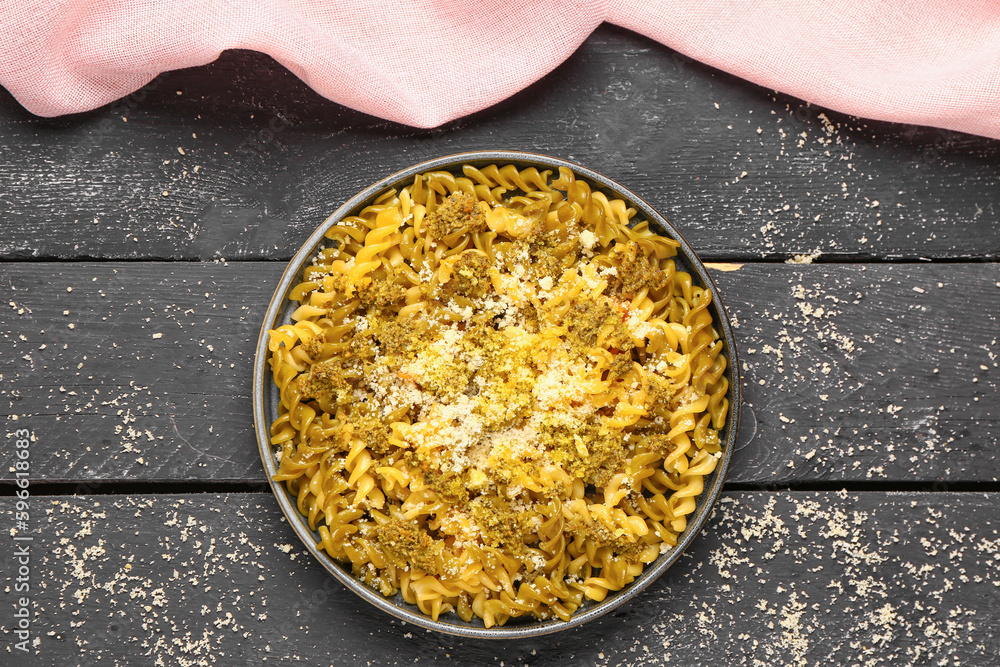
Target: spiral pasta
x,y
498,395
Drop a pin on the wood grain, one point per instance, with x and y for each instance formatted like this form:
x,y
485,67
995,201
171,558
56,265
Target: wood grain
x,y
776,578
241,160
857,373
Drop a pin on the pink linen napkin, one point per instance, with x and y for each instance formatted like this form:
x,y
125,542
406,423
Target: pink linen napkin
x,y
425,62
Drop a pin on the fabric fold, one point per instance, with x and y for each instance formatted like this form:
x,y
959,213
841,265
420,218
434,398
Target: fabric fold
x,y
427,62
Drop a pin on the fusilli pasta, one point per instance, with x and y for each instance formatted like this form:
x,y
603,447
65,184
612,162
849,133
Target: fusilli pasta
x,y
498,394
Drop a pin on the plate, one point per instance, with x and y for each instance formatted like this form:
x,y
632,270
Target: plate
x,y
265,399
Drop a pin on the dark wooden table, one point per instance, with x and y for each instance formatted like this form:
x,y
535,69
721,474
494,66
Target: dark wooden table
x,y
141,243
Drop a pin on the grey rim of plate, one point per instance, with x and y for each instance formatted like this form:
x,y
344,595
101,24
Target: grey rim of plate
x,y
265,402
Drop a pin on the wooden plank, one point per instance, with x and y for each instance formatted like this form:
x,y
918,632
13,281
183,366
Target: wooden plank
x,y
868,372
241,160
893,380
136,370
776,579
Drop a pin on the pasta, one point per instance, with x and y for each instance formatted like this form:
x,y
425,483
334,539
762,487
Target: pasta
x,y
499,396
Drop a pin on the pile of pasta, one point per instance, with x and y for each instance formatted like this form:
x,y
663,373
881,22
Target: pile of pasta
x,y
498,395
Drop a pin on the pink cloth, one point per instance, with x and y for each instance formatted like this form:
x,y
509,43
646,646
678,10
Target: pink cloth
x,y
424,62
